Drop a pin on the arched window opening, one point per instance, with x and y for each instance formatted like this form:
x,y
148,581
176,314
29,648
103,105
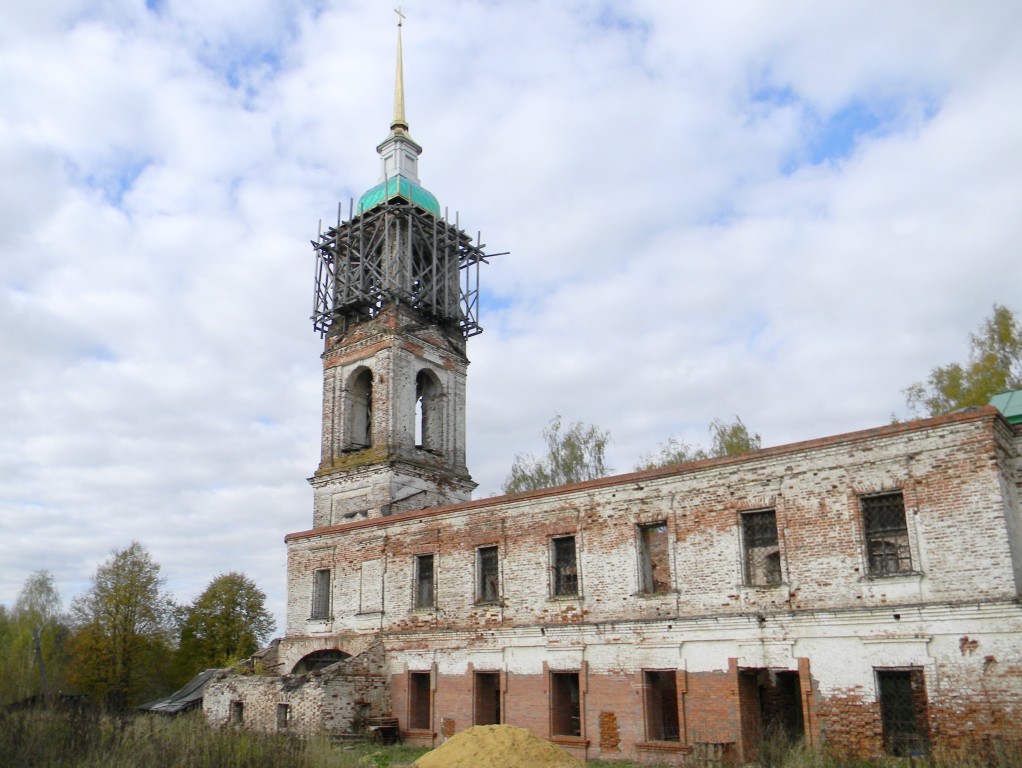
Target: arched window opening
x,y
319,660
360,414
428,412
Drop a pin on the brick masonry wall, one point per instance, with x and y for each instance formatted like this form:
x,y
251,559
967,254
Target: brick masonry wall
x,y
829,618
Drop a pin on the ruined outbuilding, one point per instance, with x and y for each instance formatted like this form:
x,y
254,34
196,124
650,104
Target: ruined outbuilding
x,y
860,591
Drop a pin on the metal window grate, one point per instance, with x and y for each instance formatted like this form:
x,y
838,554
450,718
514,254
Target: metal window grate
x,y
887,545
903,711
424,581
321,594
488,590
565,570
762,555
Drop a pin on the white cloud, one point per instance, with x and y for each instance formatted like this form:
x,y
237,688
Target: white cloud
x,y
788,213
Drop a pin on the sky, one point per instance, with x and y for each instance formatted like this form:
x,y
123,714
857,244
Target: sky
x,y
782,211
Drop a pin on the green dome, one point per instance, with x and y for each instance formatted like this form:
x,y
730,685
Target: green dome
x,y
398,186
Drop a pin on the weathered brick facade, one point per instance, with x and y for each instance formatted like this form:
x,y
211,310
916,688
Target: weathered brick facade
x,y
801,655
858,591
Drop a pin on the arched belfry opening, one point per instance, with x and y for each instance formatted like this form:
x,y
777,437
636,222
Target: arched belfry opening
x,y
429,411
360,410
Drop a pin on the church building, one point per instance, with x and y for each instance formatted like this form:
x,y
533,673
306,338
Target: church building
x,y
859,591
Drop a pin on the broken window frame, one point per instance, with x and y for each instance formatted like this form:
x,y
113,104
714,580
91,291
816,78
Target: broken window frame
x,y
885,532
283,716
660,702
565,704
761,550
424,586
488,574
321,598
564,581
654,556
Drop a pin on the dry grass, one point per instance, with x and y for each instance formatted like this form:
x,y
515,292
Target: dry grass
x,y
82,740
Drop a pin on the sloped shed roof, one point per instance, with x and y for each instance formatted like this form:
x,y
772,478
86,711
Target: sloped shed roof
x,y
181,700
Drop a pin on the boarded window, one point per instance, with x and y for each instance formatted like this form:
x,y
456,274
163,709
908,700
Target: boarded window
x,y
563,566
565,708
661,706
487,698
419,715
237,712
903,711
488,580
654,563
424,581
887,547
762,556
283,716
320,594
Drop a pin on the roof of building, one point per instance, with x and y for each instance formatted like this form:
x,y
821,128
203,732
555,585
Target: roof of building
x,y
187,697
399,187
1010,404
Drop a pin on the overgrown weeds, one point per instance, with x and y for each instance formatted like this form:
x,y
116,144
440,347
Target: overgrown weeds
x,y
46,739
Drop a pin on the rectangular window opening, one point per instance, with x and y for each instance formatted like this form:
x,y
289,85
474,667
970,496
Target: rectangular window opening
x,y
662,706
283,716
564,567
903,711
487,698
321,594
762,554
237,715
419,714
654,559
424,593
488,575
565,705
887,547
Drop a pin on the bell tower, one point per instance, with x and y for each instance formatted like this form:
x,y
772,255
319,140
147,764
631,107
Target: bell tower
x,y
396,297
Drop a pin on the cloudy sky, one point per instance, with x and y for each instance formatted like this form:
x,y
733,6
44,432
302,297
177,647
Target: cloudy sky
x,y
787,211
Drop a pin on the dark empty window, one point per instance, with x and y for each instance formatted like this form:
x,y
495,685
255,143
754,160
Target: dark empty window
x,y
283,716
903,711
424,581
321,594
563,565
565,708
661,706
887,548
762,556
487,703
654,567
419,715
488,582
238,712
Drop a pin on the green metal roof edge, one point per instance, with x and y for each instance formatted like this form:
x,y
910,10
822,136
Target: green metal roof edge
x,y
1009,404
398,186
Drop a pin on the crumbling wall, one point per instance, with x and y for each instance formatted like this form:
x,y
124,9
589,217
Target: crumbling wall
x,y
830,621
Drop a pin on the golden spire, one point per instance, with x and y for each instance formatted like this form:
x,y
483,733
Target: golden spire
x,y
399,82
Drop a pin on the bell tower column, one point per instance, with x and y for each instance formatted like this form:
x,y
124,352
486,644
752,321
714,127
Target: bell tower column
x,y
396,298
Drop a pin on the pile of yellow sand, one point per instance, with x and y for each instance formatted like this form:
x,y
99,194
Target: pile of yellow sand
x,y
497,746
